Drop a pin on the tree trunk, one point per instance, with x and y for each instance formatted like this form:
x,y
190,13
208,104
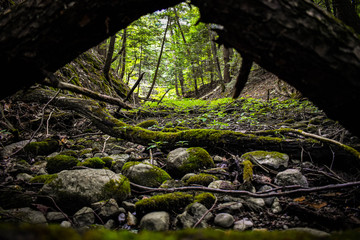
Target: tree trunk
x,y
122,63
301,44
346,12
226,53
108,59
214,53
159,59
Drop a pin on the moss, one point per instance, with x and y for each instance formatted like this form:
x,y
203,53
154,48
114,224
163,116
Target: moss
x,y
69,153
199,158
203,179
47,178
170,202
60,162
108,161
206,199
117,189
94,162
42,148
154,177
247,171
148,123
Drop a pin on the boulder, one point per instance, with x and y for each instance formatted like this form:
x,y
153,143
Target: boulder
x,y
192,215
84,217
291,177
86,186
155,221
224,220
106,209
25,215
145,174
187,160
269,159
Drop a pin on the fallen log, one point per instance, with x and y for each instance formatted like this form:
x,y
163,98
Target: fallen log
x,y
316,150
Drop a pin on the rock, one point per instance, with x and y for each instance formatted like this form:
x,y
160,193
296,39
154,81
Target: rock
x,y
192,215
269,159
268,201
231,207
172,183
65,224
130,207
59,163
203,179
222,184
187,160
155,221
9,149
106,209
145,174
118,161
86,186
109,224
23,177
25,215
45,147
258,202
131,220
17,167
55,217
276,207
243,224
84,217
291,177
224,220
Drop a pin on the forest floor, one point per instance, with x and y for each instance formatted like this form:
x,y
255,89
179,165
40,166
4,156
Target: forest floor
x,y
327,210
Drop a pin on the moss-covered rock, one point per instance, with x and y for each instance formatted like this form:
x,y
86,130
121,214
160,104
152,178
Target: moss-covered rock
x,y
108,161
148,123
145,174
186,160
60,162
206,199
203,179
270,159
43,147
170,202
94,162
47,178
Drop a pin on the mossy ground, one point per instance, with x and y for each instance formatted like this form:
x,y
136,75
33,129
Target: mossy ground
x,y
60,162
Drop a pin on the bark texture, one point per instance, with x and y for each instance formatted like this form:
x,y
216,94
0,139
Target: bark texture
x,y
300,43
44,35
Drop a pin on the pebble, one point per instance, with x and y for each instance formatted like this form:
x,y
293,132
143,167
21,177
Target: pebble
x,y
224,220
243,224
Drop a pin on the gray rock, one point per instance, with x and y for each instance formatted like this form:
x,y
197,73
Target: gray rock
x,y
9,149
222,184
84,217
109,224
130,207
26,215
312,231
243,224
106,209
74,189
65,224
23,177
155,221
224,220
291,177
270,159
187,160
145,174
268,201
192,215
131,220
55,217
231,207
276,207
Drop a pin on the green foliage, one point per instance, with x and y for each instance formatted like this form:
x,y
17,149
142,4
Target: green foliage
x,y
60,162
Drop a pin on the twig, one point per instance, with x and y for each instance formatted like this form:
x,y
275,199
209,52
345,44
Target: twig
x,y
103,150
250,194
205,214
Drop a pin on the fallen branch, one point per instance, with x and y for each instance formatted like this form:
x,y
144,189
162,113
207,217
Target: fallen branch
x,y
251,194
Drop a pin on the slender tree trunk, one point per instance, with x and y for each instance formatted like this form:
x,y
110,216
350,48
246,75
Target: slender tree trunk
x,y
123,57
215,56
108,59
346,13
159,59
226,53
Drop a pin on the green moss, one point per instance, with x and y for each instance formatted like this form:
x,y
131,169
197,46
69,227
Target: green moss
x,y
69,153
47,178
247,171
94,162
171,202
117,189
108,161
148,123
203,179
199,158
206,199
60,162
42,148
153,177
